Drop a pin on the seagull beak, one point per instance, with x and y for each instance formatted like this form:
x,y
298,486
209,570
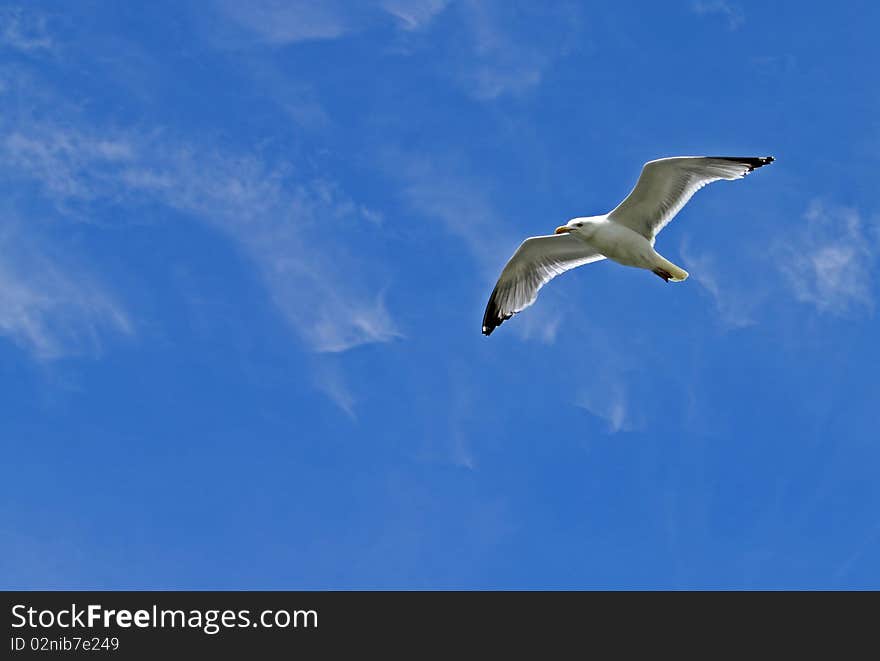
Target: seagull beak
x,y
562,229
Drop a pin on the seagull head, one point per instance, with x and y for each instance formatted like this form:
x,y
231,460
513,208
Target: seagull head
x,y
578,226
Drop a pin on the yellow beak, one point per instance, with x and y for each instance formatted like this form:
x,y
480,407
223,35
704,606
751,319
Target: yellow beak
x,y
562,229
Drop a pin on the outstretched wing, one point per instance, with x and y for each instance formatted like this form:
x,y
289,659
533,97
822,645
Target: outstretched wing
x,y
667,184
538,260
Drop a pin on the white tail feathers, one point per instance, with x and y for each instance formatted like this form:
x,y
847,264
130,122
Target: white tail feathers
x,y
669,271
678,273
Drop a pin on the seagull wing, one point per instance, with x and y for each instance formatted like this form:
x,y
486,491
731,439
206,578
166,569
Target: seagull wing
x,y
667,184
538,260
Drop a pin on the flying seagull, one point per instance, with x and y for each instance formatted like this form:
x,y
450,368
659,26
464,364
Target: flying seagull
x,y
626,235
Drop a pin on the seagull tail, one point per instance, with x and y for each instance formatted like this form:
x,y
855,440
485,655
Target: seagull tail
x,y
669,271
678,273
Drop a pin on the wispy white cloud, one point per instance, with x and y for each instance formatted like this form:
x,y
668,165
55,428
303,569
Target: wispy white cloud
x,y
541,324
775,64
275,218
414,14
735,305
434,187
608,400
829,262
731,12
275,214
315,283
25,31
462,411
330,380
304,108
281,22
448,437
284,22
51,307
603,375
496,49
512,46
69,164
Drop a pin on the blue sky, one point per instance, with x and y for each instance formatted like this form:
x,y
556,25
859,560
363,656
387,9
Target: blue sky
x,y
245,250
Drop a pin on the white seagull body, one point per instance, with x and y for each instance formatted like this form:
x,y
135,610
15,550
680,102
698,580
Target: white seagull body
x,y
625,235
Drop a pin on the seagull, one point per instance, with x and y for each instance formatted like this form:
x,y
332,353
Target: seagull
x,y
626,235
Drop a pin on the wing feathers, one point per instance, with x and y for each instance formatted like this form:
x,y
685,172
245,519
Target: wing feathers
x,y
666,185
754,162
538,260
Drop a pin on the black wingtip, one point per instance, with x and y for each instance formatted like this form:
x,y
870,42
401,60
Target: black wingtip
x,y
491,322
489,327
492,319
754,162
